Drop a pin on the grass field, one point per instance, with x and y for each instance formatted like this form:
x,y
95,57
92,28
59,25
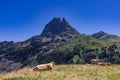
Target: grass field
x,y
67,72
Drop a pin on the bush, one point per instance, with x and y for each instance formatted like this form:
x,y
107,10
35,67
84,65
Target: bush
x,y
76,59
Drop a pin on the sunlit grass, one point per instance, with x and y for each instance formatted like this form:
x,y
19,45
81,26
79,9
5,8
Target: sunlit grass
x,y
67,72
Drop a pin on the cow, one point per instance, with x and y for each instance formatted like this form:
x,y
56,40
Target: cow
x,y
104,64
101,64
96,61
44,67
108,64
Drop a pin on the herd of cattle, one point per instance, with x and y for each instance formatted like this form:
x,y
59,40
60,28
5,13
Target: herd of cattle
x,y
49,66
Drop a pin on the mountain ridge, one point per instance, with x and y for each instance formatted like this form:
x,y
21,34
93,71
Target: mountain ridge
x,y
57,32
58,42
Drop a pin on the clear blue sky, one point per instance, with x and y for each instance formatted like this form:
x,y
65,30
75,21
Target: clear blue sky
x,y
22,19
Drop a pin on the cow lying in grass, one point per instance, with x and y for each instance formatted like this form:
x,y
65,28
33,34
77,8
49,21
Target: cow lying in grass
x,y
108,63
44,67
96,61
104,64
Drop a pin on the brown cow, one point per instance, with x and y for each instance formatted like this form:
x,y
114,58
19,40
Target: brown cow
x,y
96,61
101,64
104,64
43,67
108,64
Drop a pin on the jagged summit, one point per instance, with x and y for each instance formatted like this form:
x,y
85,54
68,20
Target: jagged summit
x,y
58,26
28,53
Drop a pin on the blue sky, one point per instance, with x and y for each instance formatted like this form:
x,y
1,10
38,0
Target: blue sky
x,y
22,19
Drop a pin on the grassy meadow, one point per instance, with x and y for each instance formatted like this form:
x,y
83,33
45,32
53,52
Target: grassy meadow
x,y
67,72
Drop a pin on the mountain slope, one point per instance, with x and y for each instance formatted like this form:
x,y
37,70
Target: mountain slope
x,y
61,43
82,49
105,36
57,32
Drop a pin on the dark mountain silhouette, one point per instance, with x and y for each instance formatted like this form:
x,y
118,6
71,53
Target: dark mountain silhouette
x,y
58,27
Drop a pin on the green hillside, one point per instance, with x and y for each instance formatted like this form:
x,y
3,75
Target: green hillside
x,y
61,43
82,49
85,40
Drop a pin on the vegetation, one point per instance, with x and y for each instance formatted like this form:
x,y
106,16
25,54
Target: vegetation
x,y
67,72
61,43
81,50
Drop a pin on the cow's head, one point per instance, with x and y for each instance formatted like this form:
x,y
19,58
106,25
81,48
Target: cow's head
x,y
53,63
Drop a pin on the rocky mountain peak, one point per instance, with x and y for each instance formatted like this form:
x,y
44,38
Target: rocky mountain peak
x,y
6,44
55,20
105,36
102,32
28,53
58,26
100,35
64,21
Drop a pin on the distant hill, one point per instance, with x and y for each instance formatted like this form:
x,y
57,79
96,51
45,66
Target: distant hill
x,y
105,36
61,43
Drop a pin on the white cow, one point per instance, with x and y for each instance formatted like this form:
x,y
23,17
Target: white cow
x,y
43,67
96,61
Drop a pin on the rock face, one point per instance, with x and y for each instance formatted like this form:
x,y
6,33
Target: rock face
x,y
100,35
58,27
57,32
